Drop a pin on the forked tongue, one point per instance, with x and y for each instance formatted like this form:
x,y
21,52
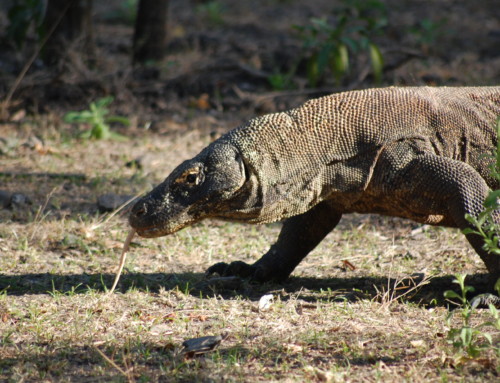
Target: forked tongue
x,y
126,246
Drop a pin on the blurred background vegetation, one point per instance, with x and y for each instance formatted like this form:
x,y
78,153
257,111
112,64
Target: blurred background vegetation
x,y
158,58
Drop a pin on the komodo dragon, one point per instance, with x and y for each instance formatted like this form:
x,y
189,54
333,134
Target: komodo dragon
x,y
413,152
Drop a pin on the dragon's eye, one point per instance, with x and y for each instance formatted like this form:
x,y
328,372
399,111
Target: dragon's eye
x,y
192,178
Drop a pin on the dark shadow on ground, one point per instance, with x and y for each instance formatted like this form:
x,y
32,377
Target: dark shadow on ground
x,y
45,283
146,361
307,289
76,194
155,361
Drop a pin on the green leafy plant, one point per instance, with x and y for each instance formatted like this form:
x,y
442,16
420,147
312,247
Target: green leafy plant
x,y
335,46
22,16
485,225
280,81
212,12
467,338
97,120
427,32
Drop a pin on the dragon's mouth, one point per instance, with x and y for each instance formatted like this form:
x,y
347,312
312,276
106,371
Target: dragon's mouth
x,y
151,232
159,231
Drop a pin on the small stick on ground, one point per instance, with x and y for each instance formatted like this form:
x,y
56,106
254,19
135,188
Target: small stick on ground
x,y
126,246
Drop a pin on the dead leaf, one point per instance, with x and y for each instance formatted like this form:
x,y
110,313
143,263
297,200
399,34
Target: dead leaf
x,y
19,115
5,316
43,149
197,317
293,347
419,343
202,102
348,265
161,329
320,375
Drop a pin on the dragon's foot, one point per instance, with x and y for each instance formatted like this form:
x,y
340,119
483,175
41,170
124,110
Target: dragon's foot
x,y
241,269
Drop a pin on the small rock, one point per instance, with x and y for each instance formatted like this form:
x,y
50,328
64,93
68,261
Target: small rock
x,y
201,345
19,200
110,201
5,197
265,302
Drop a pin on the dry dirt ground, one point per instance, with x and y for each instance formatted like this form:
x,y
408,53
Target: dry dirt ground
x,y
350,312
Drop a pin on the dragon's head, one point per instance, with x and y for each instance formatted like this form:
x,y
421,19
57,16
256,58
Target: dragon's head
x,y
198,188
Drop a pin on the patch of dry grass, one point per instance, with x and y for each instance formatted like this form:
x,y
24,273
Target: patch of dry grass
x,y
329,322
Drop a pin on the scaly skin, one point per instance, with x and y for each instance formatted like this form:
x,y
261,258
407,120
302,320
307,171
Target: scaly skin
x,y
416,153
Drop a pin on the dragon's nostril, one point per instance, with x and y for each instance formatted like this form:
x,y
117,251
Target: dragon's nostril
x,y
139,210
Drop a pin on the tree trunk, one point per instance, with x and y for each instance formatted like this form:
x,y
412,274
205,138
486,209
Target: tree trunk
x,y
72,22
150,37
